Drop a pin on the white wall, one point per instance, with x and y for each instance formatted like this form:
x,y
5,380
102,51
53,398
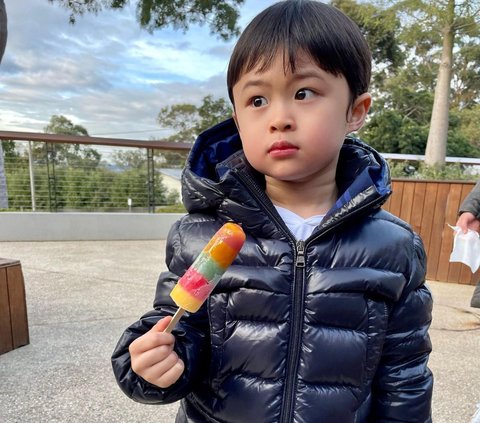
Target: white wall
x,y
85,226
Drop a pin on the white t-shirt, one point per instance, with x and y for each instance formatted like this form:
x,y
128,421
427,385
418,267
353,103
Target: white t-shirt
x,y
300,227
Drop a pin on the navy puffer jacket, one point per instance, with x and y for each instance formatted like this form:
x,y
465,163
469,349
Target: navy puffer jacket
x,y
330,330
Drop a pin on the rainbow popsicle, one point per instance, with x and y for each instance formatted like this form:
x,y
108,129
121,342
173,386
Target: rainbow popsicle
x,y
194,287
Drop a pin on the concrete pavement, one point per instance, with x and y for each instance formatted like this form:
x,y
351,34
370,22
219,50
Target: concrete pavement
x,y
81,296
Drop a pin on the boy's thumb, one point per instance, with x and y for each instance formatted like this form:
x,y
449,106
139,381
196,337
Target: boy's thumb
x,y
162,324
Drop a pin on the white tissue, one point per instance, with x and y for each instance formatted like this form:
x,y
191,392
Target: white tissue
x,y
466,248
476,416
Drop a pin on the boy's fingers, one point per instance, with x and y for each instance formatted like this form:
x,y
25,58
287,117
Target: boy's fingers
x,y
171,375
150,359
162,366
153,338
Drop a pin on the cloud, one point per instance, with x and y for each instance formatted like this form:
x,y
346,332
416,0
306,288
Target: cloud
x,y
105,72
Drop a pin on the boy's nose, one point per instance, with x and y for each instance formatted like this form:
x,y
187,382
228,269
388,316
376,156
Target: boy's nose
x,y
282,120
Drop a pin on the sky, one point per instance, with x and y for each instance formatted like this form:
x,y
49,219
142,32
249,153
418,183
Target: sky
x,y
105,72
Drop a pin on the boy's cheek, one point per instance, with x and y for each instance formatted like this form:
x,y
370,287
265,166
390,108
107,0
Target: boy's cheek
x,y
234,116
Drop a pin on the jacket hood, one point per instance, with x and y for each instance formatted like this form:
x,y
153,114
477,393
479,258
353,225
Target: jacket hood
x,y
218,178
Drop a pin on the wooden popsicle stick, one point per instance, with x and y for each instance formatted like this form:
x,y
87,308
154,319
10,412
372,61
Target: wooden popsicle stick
x,y
176,317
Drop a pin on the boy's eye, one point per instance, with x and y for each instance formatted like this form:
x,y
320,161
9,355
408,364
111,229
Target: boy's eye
x,y
304,94
258,101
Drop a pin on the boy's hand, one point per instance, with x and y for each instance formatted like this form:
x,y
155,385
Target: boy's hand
x,y
153,358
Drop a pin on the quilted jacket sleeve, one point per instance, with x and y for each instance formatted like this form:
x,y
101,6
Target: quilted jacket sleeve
x,y
472,202
190,334
402,389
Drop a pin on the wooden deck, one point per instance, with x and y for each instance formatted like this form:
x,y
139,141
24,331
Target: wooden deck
x,y
429,206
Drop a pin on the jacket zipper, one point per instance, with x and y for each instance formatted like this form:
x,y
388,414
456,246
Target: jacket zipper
x,y
298,294
300,260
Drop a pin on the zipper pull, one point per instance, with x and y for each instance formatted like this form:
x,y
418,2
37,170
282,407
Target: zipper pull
x,y
300,262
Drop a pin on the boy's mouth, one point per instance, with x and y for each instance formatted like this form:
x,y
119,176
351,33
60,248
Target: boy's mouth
x,y
282,149
281,145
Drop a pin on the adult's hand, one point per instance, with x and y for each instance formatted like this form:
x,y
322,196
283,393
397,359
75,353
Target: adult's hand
x,y
467,221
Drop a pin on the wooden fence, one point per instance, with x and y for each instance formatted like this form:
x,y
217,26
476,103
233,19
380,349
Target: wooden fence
x,y
429,206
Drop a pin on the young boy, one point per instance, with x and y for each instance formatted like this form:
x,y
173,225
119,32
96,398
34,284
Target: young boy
x,y
323,316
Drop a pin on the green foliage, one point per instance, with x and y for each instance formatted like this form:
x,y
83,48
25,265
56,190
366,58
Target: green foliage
x,y
399,121
74,155
458,145
211,112
389,131
183,118
451,171
85,189
129,159
189,120
380,27
469,124
18,183
62,125
221,15
9,152
466,68
174,208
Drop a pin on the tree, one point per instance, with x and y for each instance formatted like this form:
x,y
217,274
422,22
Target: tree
x,y
61,125
470,125
73,155
189,120
130,159
380,27
403,83
436,28
221,16
398,118
466,68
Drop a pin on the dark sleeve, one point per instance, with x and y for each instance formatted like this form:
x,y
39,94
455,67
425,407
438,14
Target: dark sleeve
x,y
402,389
472,202
190,336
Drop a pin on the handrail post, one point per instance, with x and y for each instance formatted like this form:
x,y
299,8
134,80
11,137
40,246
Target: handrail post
x,y
32,176
52,182
151,180
3,182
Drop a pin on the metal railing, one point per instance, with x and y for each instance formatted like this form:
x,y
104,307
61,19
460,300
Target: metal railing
x,y
46,172
50,172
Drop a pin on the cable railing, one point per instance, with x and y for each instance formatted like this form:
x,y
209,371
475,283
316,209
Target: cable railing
x,y
61,173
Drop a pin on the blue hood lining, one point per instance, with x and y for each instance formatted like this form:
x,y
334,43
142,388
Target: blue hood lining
x,y
212,147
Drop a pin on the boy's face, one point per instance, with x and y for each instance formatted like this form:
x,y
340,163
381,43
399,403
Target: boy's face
x,y
292,125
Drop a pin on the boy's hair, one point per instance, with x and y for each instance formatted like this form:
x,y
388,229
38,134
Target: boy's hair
x,y
323,32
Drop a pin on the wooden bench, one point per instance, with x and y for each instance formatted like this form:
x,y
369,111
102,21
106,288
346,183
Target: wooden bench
x,y
13,307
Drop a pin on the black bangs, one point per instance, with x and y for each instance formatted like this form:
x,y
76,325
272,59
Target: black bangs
x,y
299,27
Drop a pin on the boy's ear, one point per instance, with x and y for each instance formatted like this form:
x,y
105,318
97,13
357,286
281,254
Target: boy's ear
x,y
358,112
